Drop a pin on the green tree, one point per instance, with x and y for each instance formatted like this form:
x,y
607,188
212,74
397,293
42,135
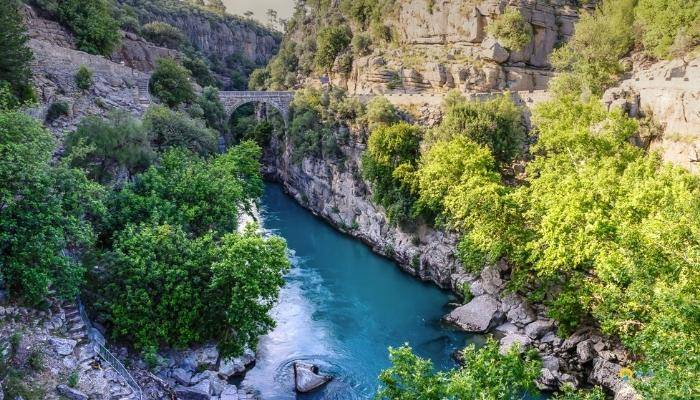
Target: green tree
x,y
95,29
389,164
511,30
44,210
104,148
381,112
167,128
200,71
486,374
15,73
668,27
165,288
495,123
330,42
170,83
187,191
213,110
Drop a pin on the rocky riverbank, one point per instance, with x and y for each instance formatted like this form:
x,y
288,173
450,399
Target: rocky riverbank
x,y
334,190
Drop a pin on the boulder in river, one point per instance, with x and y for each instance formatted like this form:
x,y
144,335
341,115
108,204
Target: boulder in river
x,y
307,377
477,315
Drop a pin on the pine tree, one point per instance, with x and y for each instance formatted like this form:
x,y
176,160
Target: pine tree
x,y
15,73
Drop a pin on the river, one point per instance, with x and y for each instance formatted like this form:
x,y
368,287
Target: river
x,y
341,307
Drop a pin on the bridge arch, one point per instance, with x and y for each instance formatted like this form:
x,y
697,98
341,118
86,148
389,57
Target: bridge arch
x,y
280,101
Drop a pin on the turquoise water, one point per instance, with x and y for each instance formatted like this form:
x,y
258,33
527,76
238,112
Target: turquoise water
x,y
341,307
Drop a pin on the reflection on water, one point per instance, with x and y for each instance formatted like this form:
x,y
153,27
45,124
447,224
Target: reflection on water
x,y
341,307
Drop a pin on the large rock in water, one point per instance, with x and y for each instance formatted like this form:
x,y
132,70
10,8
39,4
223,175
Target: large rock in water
x,y
307,378
475,316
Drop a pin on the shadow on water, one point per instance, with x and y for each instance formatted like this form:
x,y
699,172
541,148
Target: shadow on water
x,y
341,307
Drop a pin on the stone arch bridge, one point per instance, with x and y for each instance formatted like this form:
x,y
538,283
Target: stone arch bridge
x,y
278,100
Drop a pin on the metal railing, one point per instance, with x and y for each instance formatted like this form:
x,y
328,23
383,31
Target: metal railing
x,y
108,356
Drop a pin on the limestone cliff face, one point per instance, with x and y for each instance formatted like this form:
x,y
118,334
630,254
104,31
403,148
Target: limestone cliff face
x,y
668,92
445,45
214,35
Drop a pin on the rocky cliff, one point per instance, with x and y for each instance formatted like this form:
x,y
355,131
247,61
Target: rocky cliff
x,y
438,46
669,93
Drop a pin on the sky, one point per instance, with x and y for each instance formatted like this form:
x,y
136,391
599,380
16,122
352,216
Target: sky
x,y
259,7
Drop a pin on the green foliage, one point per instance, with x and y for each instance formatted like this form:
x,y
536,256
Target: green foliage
x,y
168,128
330,42
15,74
486,374
96,31
569,393
381,112
83,78
389,164
213,110
258,78
184,190
73,379
361,44
511,30
200,71
106,147
166,288
163,34
668,27
170,83
590,60
43,210
495,123
56,110
175,274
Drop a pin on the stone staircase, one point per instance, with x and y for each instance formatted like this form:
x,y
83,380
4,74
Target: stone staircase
x,y
92,368
144,95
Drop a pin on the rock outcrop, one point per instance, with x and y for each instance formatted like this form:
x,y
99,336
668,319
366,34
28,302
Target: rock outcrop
x,y
307,377
669,93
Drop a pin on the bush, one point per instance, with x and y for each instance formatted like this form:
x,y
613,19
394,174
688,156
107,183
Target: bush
x,y
170,83
361,44
389,164
330,42
96,31
200,71
381,112
163,34
213,110
83,78
45,210
495,123
668,27
15,74
258,79
590,60
56,110
167,128
511,30
105,148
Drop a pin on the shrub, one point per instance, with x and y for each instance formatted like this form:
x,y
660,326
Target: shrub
x,y
96,31
45,210
495,123
590,60
83,78
331,41
381,112
73,379
163,34
56,110
167,128
668,27
361,44
200,71
511,30
15,74
258,79
213,110
389,164
104,148
170,83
